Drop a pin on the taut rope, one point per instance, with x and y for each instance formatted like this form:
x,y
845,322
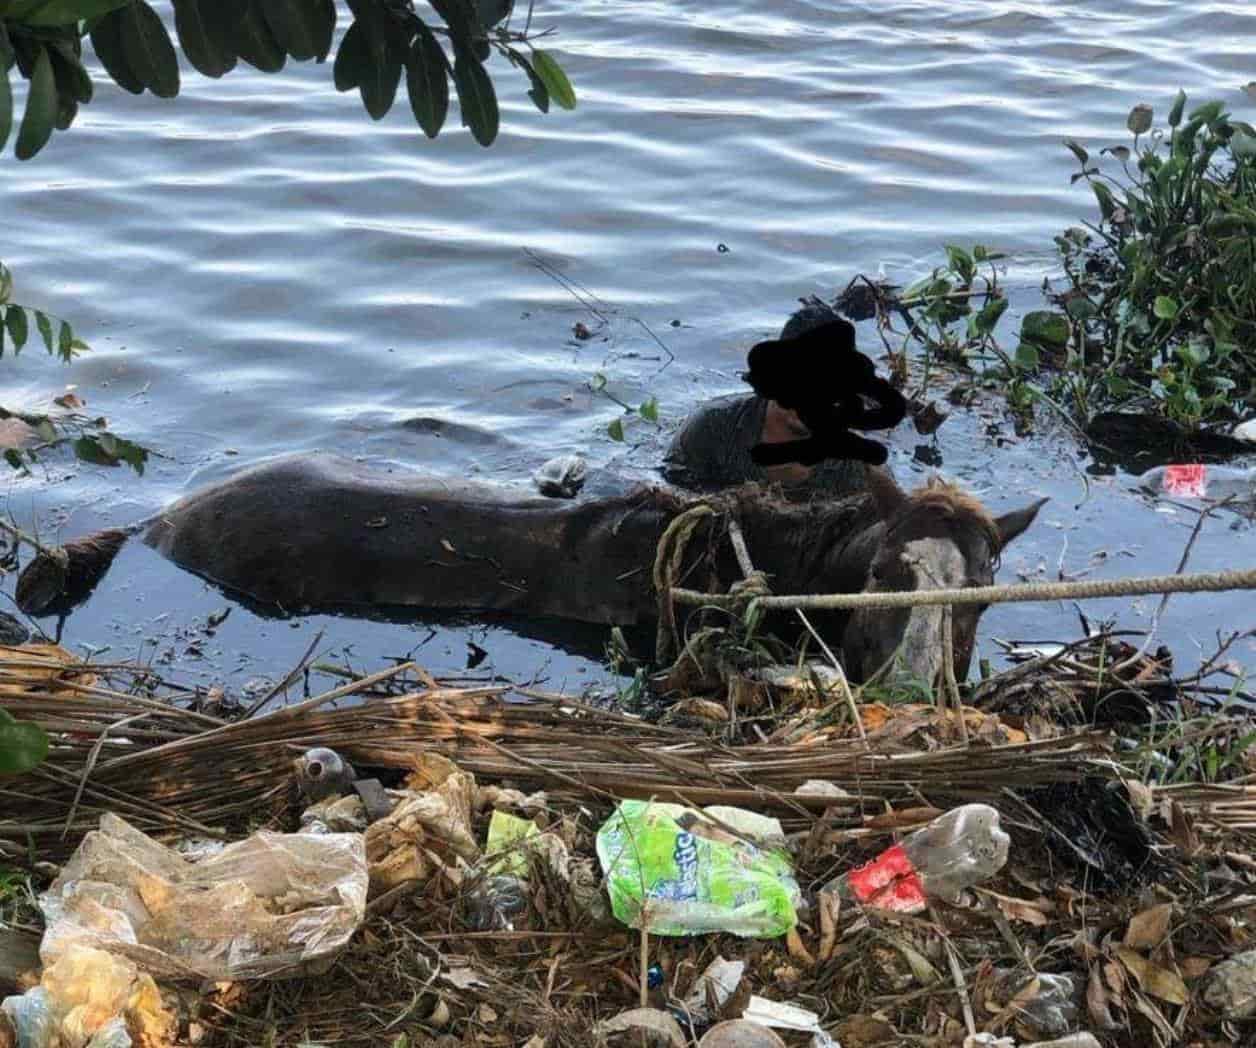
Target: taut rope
x,y
1207,582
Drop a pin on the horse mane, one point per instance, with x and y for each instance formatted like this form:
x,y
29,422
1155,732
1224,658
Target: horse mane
x,y
939,499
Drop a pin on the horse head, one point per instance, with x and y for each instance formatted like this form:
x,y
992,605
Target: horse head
x,y
937,537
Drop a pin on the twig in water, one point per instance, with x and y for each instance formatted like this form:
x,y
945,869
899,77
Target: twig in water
x,y
295,672
1164,600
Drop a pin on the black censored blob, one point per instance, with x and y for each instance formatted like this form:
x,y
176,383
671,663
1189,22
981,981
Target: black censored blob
x,y
822,376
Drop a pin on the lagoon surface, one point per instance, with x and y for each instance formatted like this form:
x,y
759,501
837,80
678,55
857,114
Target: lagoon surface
x,y
260,268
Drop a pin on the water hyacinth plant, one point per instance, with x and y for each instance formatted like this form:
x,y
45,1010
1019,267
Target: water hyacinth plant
x,y
1155,311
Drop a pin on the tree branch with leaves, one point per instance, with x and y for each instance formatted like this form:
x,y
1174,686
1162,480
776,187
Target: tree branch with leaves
x,y
386,38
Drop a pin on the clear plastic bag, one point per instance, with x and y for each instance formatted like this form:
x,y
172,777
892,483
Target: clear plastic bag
x,y
265,907
87,999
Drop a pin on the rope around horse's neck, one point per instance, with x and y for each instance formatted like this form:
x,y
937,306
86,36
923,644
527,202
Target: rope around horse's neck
x,y
1207,582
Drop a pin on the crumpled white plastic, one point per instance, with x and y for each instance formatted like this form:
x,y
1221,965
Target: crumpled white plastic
x,y
262,908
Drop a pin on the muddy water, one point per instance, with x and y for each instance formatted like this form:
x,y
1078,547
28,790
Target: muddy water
x,y
260,269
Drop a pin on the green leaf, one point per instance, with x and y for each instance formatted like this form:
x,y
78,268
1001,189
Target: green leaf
x,y
207,47
554,78
961,262
1045,328
476,97
1208,113
107,36
72,79
65,342
149,51
23,746
245,27
15,321
108,449
986,320
650,410
1175,114
382,74
353,60
427,81
61,12
14,459
1107,203
1026,356
6,107
1078,151
1081,308
616,430
463,20
493,11
1140,118
538,92
6,284
301,28
44,325
1165,308
41,109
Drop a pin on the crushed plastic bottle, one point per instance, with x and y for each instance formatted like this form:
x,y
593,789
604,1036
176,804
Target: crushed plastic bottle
x,y
561,477
1200,481
966,846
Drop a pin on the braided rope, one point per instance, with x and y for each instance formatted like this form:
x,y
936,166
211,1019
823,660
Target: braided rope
x,y
668,558
1137,586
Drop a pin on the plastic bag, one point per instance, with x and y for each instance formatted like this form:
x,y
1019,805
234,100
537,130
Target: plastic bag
x,y
87,999
262,908
679,872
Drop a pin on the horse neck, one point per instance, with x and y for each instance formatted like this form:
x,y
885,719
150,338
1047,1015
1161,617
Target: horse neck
x,y
799,544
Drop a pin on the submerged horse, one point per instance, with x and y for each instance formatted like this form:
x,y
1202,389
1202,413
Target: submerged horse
x,y
320,530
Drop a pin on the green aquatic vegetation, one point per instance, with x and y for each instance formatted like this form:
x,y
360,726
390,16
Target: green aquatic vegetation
x,y
1156,308
89,437
1160,292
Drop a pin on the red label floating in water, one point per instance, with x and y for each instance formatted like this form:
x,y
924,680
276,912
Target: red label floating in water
x,y
1186,481
889,882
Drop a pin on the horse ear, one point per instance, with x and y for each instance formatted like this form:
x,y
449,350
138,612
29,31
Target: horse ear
x,y
1011,525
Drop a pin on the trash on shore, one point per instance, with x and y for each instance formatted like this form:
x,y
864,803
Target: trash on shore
x,y
679,871
273,905
489,920
89,998
963,848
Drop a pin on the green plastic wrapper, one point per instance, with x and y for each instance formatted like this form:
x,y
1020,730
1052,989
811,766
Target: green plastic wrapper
x,y
675,872
504,847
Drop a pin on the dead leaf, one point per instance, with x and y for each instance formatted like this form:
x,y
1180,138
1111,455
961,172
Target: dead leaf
x,y
1167,1034
904,817
864,1031
1157,981
1097,1002
645,1021
71,401
1149,929
1194,967
1024,996
1142,799
462,978
1032,912
1182,830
